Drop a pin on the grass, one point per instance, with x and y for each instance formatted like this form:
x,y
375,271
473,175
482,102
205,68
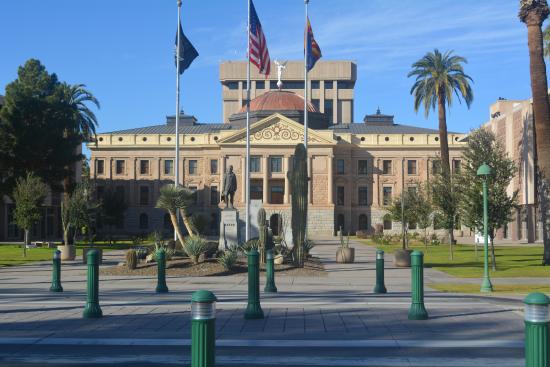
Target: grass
x,y
498,289
11,255
512,262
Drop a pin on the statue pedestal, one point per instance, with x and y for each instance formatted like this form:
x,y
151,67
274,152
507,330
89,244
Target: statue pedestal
x,y
229,229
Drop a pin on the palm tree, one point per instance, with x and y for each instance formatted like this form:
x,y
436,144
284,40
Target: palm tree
x,y
533,13
546,40
438,77
173,198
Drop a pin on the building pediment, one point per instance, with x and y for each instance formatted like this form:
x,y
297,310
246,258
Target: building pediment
x,y
278,130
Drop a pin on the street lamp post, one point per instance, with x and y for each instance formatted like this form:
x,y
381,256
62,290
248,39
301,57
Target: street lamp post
x,y
484,171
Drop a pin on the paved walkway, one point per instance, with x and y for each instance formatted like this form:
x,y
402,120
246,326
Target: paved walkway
x,y
310,321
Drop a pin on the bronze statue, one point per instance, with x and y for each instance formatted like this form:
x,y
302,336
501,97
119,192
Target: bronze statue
x,y
229,186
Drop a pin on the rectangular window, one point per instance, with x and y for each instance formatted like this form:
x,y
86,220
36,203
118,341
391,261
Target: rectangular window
x,y
340,195
411,167
100,167
315,84
328,84
387,224
120,167
214,195
213,166
316,103
386,167
386,195
232,85
256,190
344,84
193,169
273,84
328,109
362,167
260,85
168,167
340,166
363,195
436,167
411,190
456,166
277,194
143,167
254,164
195,199
276,164
144,195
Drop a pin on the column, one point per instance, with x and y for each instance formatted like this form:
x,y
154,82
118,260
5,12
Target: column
x,y
376,182
222,169
402,174
93,168
265,180
243,185
287,183
310,182
330,179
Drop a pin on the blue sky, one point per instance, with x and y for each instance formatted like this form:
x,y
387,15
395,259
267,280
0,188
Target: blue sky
x,y
123,50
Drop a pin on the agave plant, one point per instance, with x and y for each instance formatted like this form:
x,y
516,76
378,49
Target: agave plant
x,y
194,247
228,259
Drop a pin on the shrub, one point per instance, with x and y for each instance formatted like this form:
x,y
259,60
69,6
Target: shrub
x,y
362,233
210,249
386,240
194,247
228,258
434,240
308,245
253,244
131,259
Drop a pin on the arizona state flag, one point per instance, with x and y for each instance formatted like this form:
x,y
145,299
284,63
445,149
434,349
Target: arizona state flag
x,y
312,48
188,53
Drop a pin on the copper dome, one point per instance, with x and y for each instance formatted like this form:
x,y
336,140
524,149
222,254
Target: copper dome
x,y
278,101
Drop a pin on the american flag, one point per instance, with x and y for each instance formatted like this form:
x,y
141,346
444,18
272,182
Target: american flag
x,y
259,55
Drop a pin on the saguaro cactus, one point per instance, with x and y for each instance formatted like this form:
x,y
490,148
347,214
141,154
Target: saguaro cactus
x,y
299,183
262,228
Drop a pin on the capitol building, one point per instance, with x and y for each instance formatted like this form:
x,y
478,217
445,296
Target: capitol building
x,y
356,167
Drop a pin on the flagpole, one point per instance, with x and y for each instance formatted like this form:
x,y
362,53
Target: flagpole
x,y
177,158
247,168
306,2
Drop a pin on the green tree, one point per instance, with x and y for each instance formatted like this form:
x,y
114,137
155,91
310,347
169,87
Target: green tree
x,y
112,209
424,211
174,199
483,148
533,13
32,125
546,40
29,195
445,200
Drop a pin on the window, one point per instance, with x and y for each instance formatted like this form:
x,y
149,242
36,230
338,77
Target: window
x,y
411,167
293,84
328,109
256,190
120,167
144,195
193,169
412,225
232,85
273,84
276,164
411,190
254,164
340,166
363,195
168,167
340,195
277,194
362,167
341,84
143,221
386,167
119,192
436,167
260,85
143,167
363,222
316,103
195,198
100,167
328,84
315,84
456,166
214,195
213,166
386,195
341,223
387,223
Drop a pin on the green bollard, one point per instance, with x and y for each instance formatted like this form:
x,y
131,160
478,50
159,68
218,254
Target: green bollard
x,y
253,309
270,273
417,310
92,309
537,324
56,272
380,287
161,271
203,329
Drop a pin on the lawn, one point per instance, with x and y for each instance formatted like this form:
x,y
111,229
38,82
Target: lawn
x,y
11,255
497,288
517,261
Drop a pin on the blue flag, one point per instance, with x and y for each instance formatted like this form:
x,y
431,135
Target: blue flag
x,y
312,48
188,53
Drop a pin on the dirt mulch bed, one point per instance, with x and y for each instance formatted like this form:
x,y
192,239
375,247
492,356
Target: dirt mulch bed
x,y
183,267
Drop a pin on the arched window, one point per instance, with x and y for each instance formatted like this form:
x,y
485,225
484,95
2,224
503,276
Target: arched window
x,y
341,223
363,222
143,221
274,224
167,222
